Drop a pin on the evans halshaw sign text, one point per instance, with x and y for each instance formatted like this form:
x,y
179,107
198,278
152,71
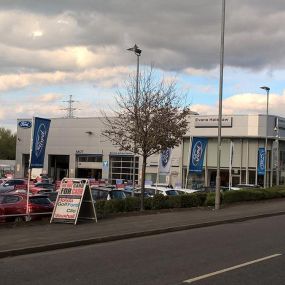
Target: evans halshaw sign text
x,y
212,122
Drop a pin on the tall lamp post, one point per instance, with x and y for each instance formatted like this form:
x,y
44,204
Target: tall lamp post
x,y
137,52
218,177
267,89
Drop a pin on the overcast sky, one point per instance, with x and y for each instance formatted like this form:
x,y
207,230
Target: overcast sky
x,y
51,49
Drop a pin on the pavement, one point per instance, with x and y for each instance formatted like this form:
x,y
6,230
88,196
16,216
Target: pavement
x,y
39,236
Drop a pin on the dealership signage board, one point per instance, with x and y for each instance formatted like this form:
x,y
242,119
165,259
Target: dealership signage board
x,y
74,201
212,122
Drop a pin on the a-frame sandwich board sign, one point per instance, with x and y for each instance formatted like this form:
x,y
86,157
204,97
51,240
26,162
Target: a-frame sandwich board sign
x,y
74,201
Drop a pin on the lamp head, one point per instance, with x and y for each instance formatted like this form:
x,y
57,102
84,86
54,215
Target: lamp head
x,y
136,50
265,88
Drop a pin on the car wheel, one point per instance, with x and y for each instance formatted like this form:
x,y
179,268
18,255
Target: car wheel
x,y
19,219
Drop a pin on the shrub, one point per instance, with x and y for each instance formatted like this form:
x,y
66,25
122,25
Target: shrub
x,y
201,198
189,200
243,195
210,199
159,201
281,193
148,203
174,201
132,204
100,208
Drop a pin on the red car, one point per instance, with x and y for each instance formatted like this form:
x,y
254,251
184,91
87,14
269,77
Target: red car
x,y
36,188
16,204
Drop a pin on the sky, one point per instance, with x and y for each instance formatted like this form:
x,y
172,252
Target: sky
x,y
52,49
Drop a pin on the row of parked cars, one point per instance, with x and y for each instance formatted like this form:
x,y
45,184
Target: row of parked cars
x,y
13,199
13,196
110,192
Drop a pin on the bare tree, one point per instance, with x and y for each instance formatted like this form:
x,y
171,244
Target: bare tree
x,y
148,122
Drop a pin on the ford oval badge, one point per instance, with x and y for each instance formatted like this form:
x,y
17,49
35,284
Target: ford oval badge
x,y
40,140
25,124
197,153
165,155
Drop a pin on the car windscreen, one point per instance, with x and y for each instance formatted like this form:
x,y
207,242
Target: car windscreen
x,y
150,191
118,194
39,200
171,193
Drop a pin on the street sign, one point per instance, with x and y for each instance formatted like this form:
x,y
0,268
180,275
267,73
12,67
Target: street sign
x,y
74,201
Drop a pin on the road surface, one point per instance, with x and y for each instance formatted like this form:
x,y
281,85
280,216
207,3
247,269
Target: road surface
x,y
251,252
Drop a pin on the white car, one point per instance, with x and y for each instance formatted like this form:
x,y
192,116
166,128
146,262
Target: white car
x,y
165,191
150,191
185,191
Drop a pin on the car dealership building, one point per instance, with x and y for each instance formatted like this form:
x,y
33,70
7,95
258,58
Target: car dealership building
x,y
77,148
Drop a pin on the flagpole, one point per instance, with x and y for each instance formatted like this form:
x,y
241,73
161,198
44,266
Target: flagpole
x,y
230,165
188,165
157,173
29,170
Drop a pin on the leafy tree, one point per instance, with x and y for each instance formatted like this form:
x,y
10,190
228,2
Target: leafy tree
x,y
148,122
7,144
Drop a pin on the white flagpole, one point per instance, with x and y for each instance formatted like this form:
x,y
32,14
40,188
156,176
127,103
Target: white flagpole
x,y
157,172
188,165
230,164
29,170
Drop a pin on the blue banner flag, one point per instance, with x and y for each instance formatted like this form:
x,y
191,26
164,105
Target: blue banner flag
x,y
165,161
41,128
261,161
197,154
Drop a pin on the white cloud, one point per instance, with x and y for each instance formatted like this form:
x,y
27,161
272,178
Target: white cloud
x,y
104,77
50,97
246,103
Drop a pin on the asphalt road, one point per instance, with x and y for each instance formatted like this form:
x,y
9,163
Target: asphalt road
x,y
164,259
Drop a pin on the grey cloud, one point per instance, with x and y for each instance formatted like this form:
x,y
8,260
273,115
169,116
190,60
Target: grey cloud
x,y
175,35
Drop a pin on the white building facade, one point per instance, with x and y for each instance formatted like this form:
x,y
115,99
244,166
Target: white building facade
x,y
76,148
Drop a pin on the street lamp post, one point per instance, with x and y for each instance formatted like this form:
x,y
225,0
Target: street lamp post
x,y
137,52
218,177
267,89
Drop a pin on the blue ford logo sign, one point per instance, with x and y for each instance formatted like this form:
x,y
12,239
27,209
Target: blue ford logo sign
x,y
165,155
40,139
25,124
197,153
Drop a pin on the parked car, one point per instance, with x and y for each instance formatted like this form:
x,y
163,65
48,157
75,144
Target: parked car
x,y
52,195
15,205
247,186
167,192
13,184
41,186
182,191
128,191
103,193
150,191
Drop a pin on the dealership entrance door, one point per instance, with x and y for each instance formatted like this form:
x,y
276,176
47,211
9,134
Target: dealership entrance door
x,y
89,173
58,166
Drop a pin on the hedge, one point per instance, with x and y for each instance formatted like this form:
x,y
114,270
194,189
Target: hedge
x,y
253,194
159,201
